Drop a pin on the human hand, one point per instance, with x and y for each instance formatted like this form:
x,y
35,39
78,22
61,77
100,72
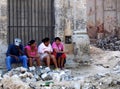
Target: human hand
x,y
16,58
47,52
37,55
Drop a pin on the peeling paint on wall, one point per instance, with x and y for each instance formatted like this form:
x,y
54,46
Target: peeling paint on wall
x,y
104,15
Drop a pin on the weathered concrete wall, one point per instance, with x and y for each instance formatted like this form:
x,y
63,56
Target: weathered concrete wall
x,y
3,31
70,20
63,14
70,17
118,13
64,20
103,17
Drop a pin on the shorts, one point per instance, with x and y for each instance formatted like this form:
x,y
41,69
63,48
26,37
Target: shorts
x,y
57,55
43,55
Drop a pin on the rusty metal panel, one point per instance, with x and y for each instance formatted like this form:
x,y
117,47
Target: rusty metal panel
x,y
110,22
109,4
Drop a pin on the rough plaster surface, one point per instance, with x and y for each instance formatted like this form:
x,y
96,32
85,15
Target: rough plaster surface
x,y
66,11
3,31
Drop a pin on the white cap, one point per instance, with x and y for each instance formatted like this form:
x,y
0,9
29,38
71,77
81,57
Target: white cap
x,y
17,41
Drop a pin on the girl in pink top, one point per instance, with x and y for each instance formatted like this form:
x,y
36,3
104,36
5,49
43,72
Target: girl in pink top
x,y
58,51
32,53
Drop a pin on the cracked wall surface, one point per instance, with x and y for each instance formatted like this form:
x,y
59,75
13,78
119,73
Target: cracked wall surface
x,y
70,16
103,17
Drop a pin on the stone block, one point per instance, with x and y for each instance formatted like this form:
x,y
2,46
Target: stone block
x,y
69,48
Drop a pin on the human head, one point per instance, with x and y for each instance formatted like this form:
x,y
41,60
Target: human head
x,y
46,41
57,40
32,43
17,41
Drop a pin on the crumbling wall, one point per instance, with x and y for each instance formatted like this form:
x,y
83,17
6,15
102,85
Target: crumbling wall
x,y
103,18
69,11
3,31
70,18
63,14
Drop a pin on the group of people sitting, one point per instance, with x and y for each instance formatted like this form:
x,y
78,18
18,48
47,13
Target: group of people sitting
x,y
50,54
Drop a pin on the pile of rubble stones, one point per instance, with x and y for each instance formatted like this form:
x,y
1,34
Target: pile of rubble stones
x,y
21,78
111,43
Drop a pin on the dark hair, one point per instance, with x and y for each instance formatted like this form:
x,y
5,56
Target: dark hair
x,y
45,39
57,38
31,42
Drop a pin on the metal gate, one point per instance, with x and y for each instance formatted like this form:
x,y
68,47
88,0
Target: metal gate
x,y
30,19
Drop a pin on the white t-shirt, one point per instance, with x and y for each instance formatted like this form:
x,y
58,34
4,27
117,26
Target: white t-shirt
x,y
42,48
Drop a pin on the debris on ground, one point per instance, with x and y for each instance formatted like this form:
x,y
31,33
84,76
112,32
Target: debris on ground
x,y
102,73
111,43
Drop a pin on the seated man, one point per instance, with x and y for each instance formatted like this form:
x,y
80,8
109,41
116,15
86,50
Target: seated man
x,y
32,54
15,54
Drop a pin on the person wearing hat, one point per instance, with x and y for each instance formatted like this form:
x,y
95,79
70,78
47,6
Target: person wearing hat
x,y
15,54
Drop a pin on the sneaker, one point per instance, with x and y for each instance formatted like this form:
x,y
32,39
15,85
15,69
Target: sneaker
x,y
40,67
62,68
57,69
32,68
47,69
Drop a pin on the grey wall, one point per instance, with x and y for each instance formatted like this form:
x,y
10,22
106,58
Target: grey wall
x,y
3,31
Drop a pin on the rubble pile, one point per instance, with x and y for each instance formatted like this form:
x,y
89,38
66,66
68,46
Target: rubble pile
x,y
103,81
111,43
103,73
21,78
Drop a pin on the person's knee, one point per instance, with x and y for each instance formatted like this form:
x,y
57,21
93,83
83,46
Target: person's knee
x,y
30,59
8,58
52,56
37,58
47,57
24,57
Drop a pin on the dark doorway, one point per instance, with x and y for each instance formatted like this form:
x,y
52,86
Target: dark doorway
x,y
30,19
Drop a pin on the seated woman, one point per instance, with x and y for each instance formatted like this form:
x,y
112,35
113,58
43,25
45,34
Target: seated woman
x,y
32,53
45,50
58,51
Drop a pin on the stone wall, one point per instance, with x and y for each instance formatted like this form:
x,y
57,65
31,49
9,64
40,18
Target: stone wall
x,y
63,14
70,16
3,32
